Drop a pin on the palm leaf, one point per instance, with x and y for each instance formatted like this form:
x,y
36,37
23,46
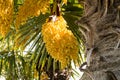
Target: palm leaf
x,y
74,28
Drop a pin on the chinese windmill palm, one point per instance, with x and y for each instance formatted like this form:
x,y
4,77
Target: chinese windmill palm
x,y
61,35
51,36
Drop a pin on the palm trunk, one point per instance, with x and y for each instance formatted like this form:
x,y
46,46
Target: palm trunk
x,y
101,24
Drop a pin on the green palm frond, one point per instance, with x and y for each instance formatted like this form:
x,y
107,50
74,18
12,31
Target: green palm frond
x,y
30,30
74,28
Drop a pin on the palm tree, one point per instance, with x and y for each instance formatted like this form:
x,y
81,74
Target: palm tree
x,y
26,51
23,51
101,25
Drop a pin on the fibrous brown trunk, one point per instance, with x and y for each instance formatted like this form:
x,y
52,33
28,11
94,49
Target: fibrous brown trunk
x,y
100,26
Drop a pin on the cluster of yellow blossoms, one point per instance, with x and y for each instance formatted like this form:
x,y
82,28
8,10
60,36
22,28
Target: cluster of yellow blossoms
x,y
6,16
31,8
65,1
60,42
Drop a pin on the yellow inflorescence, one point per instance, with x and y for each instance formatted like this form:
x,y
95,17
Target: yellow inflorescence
x,y
6,16
65,1
60,42
31,8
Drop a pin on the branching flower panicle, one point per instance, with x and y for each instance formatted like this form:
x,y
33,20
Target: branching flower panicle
x,y
31,8
60,42
65,1
6,16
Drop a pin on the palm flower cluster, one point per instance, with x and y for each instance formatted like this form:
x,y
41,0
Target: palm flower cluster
x,y
65,1
6,16
31,8
60,42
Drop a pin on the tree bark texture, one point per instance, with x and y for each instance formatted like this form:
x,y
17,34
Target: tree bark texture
x,y
100,27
